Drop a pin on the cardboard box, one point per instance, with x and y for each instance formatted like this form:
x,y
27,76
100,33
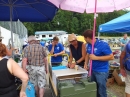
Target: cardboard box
x,y
110,81
118,78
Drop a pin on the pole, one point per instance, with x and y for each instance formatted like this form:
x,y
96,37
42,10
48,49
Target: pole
x,y
11,10
98,35
94,29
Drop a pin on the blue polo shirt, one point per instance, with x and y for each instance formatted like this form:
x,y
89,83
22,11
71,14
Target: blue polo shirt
x,y
128,72
57,49
100,49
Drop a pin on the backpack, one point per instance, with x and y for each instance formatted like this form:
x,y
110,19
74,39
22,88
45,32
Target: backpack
x,y
127,61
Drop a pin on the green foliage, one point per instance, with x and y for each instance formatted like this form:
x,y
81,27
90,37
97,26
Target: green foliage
x,y
72,22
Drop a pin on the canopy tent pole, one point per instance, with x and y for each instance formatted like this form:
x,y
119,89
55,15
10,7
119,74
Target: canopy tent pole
x,y
11,8
98,35
94,30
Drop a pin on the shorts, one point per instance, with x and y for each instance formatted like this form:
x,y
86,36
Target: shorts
x,y
37,75
127,82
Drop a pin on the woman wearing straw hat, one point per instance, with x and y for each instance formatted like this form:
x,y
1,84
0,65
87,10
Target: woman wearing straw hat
x,y
77,51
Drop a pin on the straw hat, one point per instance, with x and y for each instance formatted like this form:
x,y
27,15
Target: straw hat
x,y
72,37
31,38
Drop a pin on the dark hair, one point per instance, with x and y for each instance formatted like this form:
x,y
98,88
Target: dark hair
x,y
88,33
0,40
2,50
55,38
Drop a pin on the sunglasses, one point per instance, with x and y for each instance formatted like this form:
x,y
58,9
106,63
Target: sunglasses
x,y
72,41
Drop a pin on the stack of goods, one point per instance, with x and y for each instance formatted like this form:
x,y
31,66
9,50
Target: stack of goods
x,y
117,54
119,78
115,64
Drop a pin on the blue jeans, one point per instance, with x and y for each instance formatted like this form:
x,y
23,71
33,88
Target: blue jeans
x,y
100,78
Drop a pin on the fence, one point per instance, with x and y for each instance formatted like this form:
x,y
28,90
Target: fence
x,y
19,32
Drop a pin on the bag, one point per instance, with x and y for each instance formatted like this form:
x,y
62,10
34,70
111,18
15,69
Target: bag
x,y
30,90
127,61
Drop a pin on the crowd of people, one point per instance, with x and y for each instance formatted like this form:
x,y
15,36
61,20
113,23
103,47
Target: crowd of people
x,y
35,64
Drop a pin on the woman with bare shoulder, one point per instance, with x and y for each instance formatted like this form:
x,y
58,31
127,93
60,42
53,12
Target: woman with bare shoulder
x,y
8,70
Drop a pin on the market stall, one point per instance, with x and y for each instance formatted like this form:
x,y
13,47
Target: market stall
x,y
66,82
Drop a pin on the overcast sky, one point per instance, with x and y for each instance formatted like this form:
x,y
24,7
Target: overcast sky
x,y
128,8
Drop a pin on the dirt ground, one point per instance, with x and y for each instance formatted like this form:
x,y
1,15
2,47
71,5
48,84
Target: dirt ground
x,y
118,91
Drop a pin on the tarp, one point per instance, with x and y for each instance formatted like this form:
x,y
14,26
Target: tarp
x,y
119,25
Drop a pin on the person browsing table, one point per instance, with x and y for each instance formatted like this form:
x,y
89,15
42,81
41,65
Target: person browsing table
x,y
124,41
9,69
124,70
77,51
35,63
100,65
56,49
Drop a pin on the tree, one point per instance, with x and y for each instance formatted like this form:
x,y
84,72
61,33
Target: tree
x,y
72,22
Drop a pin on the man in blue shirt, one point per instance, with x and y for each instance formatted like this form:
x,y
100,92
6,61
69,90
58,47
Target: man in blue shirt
x,y
123,70
57,49
123,41
100,66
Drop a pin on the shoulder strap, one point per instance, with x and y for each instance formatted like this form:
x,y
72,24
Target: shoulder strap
x,y
4,60
5,57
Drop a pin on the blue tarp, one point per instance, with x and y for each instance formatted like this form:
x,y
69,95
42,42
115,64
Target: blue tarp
x,y
59,67
119,25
